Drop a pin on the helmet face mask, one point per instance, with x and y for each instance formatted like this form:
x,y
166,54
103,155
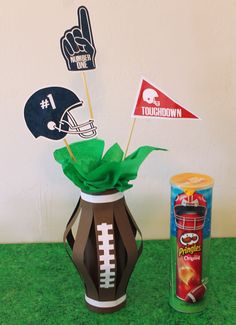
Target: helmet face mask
x,y
190,211
69,125
48,114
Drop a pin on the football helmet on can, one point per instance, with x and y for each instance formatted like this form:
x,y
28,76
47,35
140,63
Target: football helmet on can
x,y
190,211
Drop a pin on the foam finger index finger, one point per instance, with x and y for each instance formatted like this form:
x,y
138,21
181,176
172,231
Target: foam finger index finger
x,y
84,23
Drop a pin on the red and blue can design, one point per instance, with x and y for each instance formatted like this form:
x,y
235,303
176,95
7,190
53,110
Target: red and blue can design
x,y
190,233
190,212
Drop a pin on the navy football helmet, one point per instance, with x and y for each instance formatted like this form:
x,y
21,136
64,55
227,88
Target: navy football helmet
x,y
48,114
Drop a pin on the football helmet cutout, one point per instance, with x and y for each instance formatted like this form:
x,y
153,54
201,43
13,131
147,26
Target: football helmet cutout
x,y
48,113
150,95
190,211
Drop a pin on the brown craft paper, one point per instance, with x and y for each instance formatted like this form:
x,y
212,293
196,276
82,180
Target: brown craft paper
x,y
104,249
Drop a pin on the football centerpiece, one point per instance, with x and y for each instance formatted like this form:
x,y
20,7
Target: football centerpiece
x,y
103,245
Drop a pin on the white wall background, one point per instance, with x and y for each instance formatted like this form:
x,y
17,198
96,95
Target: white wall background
x,y
187,48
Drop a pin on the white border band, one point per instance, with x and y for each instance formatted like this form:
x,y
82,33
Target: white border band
x,y
105,304
102,198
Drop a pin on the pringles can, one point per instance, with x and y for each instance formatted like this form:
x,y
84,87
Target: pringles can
x,y
191,205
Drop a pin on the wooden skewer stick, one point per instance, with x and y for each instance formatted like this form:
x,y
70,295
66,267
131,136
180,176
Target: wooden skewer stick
x,y
88,97
69,150
90,114
130,136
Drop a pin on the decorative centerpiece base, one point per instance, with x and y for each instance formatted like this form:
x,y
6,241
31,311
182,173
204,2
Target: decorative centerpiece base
x,y
104,249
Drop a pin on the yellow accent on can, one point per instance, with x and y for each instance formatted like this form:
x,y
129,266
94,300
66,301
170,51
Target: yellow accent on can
x,y
191,182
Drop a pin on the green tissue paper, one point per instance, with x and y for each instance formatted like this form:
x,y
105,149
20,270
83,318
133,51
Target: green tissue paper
x,y
95,172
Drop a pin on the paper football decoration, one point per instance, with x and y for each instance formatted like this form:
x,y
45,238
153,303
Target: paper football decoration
x,y
94,172
104,249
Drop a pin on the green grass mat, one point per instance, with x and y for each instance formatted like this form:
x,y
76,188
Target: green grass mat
x,y
39,285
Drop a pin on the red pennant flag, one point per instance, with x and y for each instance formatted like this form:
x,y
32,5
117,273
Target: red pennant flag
x,y
152,102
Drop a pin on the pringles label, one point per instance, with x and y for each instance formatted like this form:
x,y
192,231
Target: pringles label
x,y
190,231
190,212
